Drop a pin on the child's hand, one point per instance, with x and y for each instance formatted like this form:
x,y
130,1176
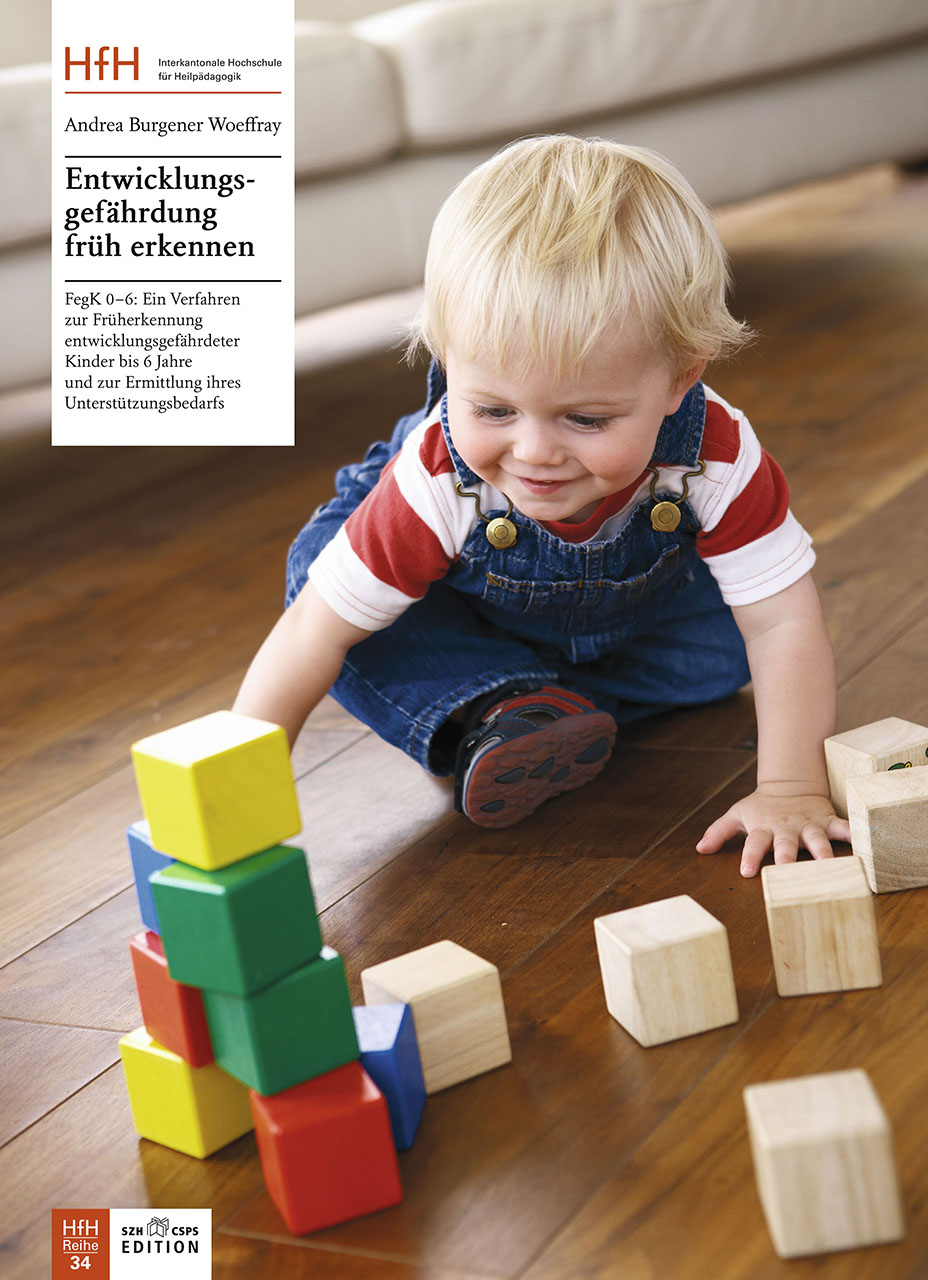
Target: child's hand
x,y
783,823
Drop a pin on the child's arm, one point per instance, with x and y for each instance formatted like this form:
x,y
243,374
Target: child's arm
x,y
297,664
792,667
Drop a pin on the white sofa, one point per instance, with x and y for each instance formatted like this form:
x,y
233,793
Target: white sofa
x,y
394,105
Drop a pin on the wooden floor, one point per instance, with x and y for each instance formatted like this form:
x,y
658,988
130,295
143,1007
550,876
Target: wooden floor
x,y
135,586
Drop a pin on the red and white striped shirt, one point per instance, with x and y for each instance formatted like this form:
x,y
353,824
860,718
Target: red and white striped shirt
x,y
412,526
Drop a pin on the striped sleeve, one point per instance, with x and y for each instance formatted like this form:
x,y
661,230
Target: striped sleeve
x,y
750,539
400,539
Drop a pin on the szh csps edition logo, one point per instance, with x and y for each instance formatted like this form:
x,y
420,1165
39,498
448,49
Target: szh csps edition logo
x,y
132,1244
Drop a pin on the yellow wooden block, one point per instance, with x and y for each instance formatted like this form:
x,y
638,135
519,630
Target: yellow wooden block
x,y
666,970
823,1157
885,744
888,813
822,926
217,789
457,1009
196,1110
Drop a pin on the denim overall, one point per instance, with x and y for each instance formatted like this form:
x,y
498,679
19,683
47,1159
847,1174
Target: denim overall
x,y
636,623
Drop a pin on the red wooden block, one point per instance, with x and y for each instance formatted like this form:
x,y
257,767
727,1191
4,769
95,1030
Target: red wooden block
x,y
327,1150
172,1013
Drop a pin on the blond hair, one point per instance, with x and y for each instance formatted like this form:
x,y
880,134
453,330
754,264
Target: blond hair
x,y
555,239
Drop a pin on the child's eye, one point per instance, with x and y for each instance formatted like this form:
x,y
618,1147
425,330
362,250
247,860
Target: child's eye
x,y
587,421
495,412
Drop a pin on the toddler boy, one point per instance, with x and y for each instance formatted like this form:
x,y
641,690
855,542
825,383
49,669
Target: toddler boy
x,y
574,532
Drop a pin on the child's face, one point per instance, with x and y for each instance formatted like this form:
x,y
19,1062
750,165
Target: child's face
x,y
557,445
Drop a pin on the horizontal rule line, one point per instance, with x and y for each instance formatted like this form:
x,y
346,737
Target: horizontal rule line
x,y
163,280
170,155
278,92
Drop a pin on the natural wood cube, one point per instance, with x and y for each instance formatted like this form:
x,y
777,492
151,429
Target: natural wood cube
x,y
457,1009
886,744
666,970
888,813
823,1158
822,926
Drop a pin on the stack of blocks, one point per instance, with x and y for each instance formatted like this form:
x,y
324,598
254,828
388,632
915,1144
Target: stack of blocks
x,y
890,745
878,781
247,1015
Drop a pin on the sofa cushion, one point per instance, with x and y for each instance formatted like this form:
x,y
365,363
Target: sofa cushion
x,y
25,129
483,68
347,110
336,10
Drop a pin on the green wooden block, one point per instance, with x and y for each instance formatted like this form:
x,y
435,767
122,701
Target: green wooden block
x,y
295,1029
238,929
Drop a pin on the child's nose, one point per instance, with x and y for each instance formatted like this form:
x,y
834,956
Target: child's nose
x,y
537,445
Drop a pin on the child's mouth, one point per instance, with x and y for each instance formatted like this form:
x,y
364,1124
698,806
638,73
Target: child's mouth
x,y
542,486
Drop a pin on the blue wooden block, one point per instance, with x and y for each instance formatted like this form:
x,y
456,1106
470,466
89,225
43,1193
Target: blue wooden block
x,y
146,860
390,1056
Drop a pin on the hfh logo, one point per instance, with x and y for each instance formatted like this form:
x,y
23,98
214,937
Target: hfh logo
x,y
101,62
82,1227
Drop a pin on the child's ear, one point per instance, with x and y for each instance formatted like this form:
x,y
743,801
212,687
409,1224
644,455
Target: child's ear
x,y
689,376
684,381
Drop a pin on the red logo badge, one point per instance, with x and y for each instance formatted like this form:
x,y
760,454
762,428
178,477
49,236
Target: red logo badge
x,y
80,1244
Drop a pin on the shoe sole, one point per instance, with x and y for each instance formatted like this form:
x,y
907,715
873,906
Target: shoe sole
x,y
510,780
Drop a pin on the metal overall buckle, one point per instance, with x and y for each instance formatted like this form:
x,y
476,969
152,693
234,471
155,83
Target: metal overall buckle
x,y
500,530
665,516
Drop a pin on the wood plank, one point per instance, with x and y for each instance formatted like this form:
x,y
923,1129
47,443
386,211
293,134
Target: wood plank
x,y
70,1056
876,691
871,582
360,809
40,985
77,481
261,1259
327,732
835,279
82,724
527,888
66,862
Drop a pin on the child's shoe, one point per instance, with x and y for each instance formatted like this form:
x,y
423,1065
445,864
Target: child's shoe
x,y
526,748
